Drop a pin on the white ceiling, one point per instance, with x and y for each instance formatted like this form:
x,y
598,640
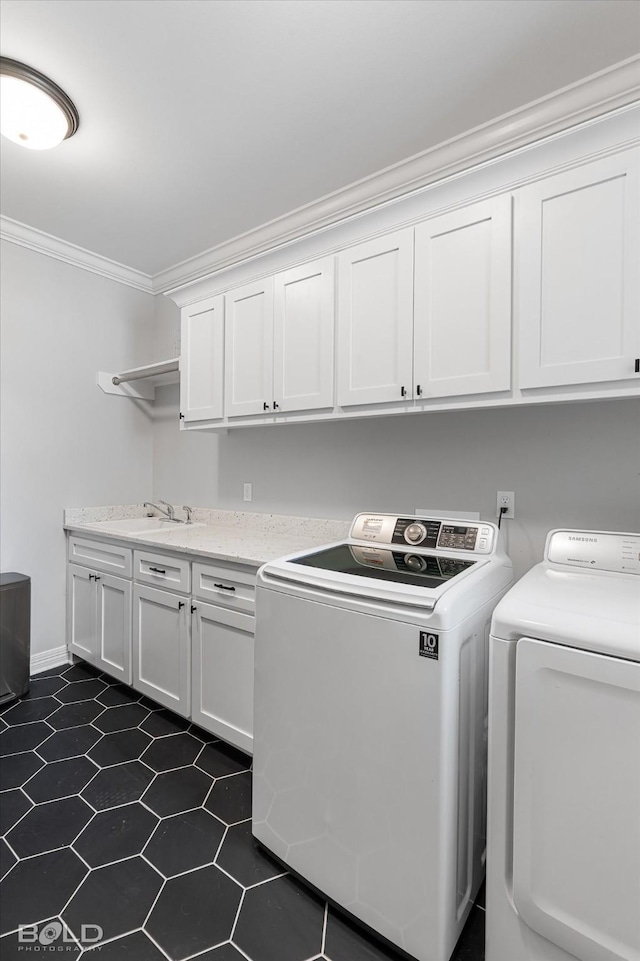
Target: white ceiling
x,y
202,119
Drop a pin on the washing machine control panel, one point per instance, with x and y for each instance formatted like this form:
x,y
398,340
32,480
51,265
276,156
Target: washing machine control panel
x,y
425,533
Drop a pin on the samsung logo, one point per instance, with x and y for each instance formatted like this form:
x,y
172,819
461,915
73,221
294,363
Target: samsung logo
x,y
587,540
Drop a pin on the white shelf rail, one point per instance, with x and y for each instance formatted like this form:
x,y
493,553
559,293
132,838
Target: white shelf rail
x,y
163,372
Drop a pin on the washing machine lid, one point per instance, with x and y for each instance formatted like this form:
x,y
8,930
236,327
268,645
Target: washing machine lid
x,y
586,594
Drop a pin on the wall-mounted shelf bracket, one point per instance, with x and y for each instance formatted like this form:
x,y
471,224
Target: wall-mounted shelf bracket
x,y
151,376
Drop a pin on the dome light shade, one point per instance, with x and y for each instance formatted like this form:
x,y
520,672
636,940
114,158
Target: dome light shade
x,y
34,111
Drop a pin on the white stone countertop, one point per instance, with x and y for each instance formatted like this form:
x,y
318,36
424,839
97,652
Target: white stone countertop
x,y
236,536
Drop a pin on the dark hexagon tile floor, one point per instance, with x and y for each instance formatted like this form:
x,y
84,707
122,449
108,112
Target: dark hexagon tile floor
x,y
48,826
118,813
60,779
81,691
182,921
118,785
118,897
121,718
230,798
38,888
71,715
24,737
18,768
37,709
176,791
119,747
115,835
184,842
71,742
167,753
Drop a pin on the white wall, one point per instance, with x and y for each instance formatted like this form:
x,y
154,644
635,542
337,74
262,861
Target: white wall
x,y
64,442
574,465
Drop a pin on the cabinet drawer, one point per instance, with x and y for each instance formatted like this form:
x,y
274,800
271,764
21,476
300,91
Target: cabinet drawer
x,y
170,573
110,558
227,586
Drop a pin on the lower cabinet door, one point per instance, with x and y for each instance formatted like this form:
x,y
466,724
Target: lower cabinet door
x,y
113,626
222,673
162,647
81,612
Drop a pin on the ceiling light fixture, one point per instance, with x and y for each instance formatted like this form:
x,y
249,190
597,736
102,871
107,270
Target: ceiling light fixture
x,y
34,111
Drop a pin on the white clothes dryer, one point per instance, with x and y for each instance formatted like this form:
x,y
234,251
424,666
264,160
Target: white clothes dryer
x,y
563,834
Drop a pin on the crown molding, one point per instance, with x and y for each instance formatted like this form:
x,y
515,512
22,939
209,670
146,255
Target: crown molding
x,y
24,236
588,99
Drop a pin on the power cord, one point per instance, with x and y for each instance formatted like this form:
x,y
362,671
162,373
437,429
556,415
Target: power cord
x,y
503,510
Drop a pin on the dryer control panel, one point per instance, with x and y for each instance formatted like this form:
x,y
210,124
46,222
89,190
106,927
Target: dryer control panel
x,y
595,550
428,533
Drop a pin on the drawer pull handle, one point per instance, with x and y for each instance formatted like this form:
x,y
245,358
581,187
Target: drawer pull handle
x,y
157,570
93,577
223,587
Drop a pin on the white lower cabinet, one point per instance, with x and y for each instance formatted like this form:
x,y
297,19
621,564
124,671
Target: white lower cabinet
x,y
222,673
188,654
99,620
162,647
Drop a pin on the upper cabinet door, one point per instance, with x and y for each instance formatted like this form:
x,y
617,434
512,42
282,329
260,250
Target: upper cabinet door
x,y
462,316
375,320
202,360
249,349
577,250
304,314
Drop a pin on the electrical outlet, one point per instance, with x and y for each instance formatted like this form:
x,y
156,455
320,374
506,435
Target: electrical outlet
x,y
247,492
506,499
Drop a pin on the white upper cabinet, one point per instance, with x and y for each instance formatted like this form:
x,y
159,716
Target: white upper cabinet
x,y
304,313
249,349
577,250
462,311
375,321
202,360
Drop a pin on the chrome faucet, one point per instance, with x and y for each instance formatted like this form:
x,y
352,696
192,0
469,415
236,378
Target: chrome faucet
x,y
169,512
188,511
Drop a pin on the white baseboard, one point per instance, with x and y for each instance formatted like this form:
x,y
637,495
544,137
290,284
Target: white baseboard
x,y
46,659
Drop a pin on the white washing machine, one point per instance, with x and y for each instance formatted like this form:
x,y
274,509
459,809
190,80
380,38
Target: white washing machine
x,y
563,856
371,660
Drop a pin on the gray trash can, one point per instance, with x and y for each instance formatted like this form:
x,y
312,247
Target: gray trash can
x,y
15,635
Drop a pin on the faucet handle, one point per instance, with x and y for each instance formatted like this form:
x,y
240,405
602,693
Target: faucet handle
x,y
189,512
